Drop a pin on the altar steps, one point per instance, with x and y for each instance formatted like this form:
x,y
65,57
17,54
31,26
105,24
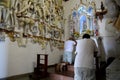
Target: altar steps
x,y
64,75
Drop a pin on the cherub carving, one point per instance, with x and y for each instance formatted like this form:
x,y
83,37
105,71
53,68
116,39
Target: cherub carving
x,y
25,5
10,15
45,9
26,15
41,26
39,10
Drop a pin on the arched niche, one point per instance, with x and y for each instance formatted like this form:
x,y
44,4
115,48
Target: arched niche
x,y
83,19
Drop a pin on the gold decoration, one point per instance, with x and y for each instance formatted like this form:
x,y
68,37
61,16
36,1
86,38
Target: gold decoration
x,y
21,40
76,35
117,23
5,3
46,15
11,36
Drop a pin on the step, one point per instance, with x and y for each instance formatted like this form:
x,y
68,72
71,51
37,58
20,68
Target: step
x,y
70,68
55,75
64,75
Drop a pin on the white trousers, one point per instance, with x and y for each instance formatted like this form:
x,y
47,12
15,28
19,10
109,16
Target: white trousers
x,y
84,74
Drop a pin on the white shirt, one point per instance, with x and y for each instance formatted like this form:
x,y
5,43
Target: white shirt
x,y
85,53
69,45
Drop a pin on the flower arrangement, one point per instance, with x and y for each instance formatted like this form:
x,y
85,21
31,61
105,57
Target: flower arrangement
x,y
88,31
76,35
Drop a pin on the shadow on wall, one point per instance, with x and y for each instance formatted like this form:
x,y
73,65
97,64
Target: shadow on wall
x,y
101,49
109,61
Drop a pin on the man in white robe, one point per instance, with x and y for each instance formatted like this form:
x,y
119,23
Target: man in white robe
x,y
84,67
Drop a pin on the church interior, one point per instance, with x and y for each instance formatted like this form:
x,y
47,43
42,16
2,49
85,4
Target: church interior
x,y
37,30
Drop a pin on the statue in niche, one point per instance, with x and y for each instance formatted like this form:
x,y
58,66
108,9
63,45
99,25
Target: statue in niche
x,y
83,24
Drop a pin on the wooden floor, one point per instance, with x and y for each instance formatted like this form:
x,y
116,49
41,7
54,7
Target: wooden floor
x,y
67,75
53,75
